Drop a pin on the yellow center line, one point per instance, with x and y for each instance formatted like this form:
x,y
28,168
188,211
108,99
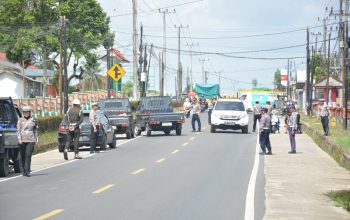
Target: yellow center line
x,y
192,138
185,144
138,171
50,214
175,151
103,189
160,160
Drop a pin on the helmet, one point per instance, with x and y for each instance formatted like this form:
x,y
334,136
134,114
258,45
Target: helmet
x,y
264,110
76,102
26,108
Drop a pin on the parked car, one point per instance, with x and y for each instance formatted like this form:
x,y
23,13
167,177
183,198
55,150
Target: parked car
x,y
118,111
155,113
9,149
106,135
229,114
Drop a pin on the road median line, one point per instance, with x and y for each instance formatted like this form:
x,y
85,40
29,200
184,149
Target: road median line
x,y
185,144
160,160
138,171
175,151
50,214
192,138
103,189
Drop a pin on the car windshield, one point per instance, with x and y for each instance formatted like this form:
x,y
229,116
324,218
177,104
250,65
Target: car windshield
x,y
157,102
229,106
117,104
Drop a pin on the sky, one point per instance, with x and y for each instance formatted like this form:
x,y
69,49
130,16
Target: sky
x,y
236,28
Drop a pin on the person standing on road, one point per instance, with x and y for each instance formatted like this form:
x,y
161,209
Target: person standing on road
x,y
94,128
265,132
210,110
269,108
292,123
74,117
196,109
324,114
257,114
27,134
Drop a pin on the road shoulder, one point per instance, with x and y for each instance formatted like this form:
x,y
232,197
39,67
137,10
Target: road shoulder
x,y
296,184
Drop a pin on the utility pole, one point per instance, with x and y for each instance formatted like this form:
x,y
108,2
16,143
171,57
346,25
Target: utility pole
x,y
161,73
60,77
108,67
140,70
65,82
308,87
324,39
164,12
345,72
288,80
203,72
191,75
135,77
149,65
328,67
312,79
179,66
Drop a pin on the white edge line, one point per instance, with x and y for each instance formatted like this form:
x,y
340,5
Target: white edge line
x,y
64,163
250,198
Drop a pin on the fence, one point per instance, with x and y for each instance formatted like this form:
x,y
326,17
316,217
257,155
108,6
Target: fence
x,y
50,106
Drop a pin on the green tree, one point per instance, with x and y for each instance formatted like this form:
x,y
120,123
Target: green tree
x,y
30,30
277,80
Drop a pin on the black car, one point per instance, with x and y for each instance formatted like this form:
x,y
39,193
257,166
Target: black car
x,y
105,137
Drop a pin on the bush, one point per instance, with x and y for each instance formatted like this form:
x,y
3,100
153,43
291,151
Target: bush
x,y
48,124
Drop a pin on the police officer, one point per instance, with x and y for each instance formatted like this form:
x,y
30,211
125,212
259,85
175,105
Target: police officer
x,y
324,114
94,122
27,134
74,117
265,132
196,109
257,113
210,110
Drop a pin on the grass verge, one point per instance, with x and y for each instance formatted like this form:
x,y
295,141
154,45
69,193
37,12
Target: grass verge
x,y
47,141
342,198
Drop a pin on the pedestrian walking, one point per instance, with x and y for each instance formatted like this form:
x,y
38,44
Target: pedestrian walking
x,y
210,110
269,108
292,124
264,138
27,134
196,109
94,128
257,114
74,117
324,114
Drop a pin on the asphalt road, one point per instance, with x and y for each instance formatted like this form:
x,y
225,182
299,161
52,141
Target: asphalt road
x,y
192,176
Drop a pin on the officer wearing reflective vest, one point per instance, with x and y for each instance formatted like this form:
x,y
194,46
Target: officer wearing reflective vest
x,y
73,118
27,134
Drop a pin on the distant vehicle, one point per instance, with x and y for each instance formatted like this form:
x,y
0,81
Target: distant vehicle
x,y
229,114
155,113
119,113
106,135
9,149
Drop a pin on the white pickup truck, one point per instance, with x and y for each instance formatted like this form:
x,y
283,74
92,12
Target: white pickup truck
x,y
229,114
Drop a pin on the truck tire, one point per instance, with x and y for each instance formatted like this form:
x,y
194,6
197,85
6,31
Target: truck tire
x,y
167,132
4,166
137,131
245,129
128,133
132,133
212,129
178,130
114,142
17,164
148,130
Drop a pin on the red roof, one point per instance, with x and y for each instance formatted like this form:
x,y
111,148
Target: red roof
x,y
119,55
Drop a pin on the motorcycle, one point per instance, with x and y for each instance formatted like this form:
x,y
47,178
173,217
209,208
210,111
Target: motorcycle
x,y
275,123
187,112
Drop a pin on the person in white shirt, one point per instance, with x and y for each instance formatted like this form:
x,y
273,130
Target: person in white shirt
x,y
196,109
187,104
324,114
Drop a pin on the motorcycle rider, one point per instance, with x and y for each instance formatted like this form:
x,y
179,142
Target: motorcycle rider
x,y
275,121
187,107
27,134
74,117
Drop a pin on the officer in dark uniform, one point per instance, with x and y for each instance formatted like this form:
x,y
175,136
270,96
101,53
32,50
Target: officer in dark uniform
x,y
27,134
74,117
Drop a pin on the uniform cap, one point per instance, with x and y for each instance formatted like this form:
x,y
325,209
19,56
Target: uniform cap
x,y
27,108
76,102
94,104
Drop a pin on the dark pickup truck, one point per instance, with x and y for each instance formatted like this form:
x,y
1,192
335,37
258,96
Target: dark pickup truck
x,y
9,149
118,111
155,113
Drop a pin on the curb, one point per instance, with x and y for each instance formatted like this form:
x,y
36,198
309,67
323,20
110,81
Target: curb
x,y
43,148
338,153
